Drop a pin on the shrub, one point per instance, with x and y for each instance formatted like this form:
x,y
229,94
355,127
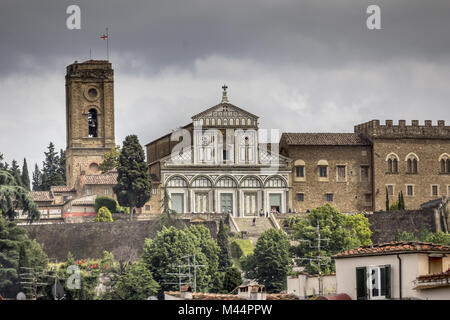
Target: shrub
x,y
110,203
103,215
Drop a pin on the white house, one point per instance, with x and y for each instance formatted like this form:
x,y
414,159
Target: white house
x,y
395,270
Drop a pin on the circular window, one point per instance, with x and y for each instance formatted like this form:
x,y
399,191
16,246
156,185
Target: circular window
x,y
92,93
93,167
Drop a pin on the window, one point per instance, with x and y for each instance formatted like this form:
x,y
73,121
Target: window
x,y
300,197
323,171
300,171
364,173
147,207
92,122
329,197
410,190
373,282
341,174
106,191
445,163
368,197
411,163
392,163
88,191
434,190
154,190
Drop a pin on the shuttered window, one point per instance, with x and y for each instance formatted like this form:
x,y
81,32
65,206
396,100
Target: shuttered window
x,y
361,283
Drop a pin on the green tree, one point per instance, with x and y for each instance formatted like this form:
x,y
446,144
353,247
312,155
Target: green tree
x,y
51,172
164,252
13,197
136,283
387,199
25,175
104,215
15,172
37,179
167,216
424,236
133,182
62,165
110,203
270,263
223,243
110,160
17,251
3,165
342,231
232,279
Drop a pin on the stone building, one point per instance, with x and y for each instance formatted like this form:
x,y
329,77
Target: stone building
x,y
329,168
414,159
89,116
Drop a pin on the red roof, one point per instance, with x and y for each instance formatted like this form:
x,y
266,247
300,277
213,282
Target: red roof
x,y
38,196
59,189
326,139
107,178
393,248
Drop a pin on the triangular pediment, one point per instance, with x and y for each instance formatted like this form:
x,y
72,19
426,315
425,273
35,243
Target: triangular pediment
x,y
224,110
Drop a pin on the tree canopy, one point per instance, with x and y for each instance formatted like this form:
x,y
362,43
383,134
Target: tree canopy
x,y
14,197
342,231
110,160
133,182
270,263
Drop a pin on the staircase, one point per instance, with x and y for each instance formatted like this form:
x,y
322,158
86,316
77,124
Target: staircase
x,y
253,231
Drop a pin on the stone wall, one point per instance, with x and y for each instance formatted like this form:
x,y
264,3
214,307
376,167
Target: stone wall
x,y
385,225
123,238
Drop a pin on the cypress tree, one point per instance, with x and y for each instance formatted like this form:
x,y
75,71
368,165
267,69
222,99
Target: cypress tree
x,y
25,175
133,182
15,172
387,199
62,165
222,242
51,173
37,179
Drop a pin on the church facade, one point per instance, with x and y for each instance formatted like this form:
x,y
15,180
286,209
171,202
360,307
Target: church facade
x,y
217,164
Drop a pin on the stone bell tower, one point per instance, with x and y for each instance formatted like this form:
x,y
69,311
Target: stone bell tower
x,y
89,116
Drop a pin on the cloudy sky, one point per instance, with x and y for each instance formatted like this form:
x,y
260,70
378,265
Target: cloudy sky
x,y
302,66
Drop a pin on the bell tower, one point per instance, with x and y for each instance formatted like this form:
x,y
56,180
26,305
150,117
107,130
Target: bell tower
x,y
89,116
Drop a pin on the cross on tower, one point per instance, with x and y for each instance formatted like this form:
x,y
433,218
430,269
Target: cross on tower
x,y
224,94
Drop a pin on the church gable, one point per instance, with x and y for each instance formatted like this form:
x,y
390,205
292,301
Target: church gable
x,y
225,114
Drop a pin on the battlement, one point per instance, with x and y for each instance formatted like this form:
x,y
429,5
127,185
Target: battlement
x,y
373,129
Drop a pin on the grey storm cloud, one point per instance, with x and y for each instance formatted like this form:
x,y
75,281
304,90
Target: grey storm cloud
x,y
313,63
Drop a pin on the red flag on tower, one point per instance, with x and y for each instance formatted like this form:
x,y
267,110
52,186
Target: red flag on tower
x,y
105,36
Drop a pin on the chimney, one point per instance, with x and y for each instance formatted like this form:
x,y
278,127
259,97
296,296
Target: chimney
x,y
186,293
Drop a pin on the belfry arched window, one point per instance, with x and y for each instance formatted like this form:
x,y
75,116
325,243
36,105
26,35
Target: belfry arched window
x,y
392,163
93,123
411,163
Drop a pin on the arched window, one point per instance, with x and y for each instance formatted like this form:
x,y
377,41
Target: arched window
x,y
411,163
201,182
444,160
93,123
392,163
250,182
226,182
177,182
275,182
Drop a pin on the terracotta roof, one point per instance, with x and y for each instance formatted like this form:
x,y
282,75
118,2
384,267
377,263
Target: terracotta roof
x,y
326,139
41,196
207,296
106,178
281,296
393,248
62,189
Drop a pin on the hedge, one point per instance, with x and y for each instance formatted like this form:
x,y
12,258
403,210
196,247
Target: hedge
x,y
110,203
